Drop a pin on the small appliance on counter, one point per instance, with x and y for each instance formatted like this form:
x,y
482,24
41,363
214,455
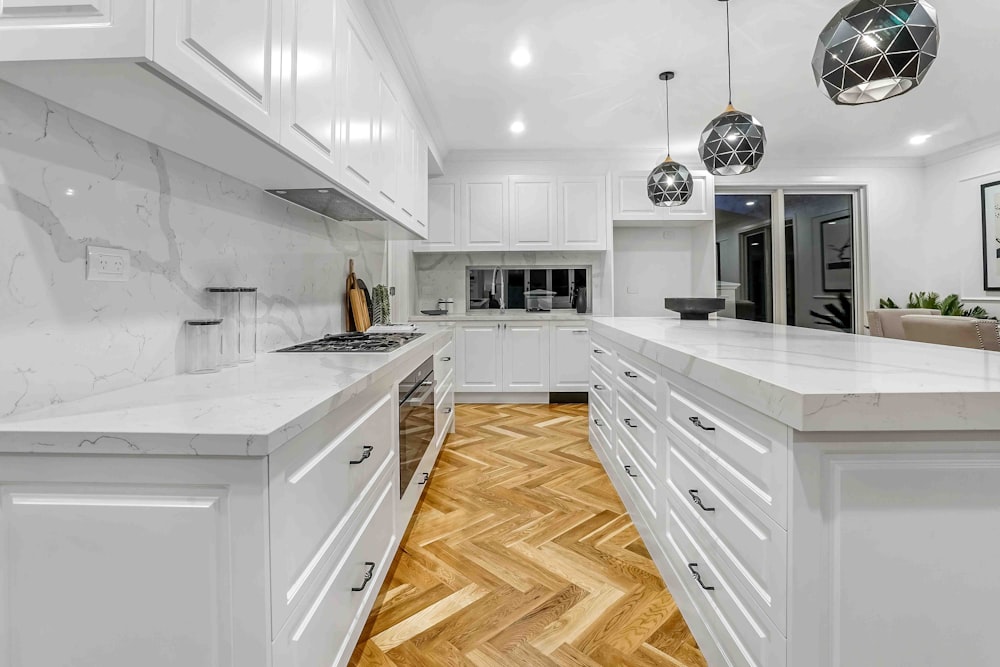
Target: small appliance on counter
x,y
539,300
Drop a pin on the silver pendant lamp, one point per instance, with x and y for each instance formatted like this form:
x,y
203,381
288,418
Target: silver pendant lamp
x,y
670,183
873,50
734,142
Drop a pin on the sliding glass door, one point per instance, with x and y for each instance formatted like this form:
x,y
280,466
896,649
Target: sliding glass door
x,y
815,234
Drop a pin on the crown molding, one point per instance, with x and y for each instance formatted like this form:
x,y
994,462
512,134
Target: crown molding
x,y
394,36
962,150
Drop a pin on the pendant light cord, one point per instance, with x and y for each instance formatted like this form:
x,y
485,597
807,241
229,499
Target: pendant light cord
x,y
667,86
729,54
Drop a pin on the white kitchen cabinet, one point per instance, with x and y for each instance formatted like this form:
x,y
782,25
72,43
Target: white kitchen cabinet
x,y
422,214
631,201
583,213
32,30
532,213
570,357
479,357
389,146
358,76
309,75
525,357
485,213
229,52
407,169
443,214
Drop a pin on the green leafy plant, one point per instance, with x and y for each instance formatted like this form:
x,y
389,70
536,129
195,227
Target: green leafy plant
x,y
950,306
839,315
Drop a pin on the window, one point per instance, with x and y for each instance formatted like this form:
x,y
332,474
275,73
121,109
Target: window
x,y
533,289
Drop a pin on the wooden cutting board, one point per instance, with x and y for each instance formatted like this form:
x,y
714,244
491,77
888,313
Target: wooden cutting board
x,y
358,318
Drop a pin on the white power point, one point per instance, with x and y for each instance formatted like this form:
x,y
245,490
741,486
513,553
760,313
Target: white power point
x,y
108,264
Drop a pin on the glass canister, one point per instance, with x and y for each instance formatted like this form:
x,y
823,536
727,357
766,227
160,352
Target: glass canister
x,y
226,302
248,324
203,345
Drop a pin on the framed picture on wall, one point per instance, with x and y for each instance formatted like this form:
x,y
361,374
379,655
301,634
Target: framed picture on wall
x,y
991,236
837,240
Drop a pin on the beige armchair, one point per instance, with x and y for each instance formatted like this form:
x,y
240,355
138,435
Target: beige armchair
x,y
887,323
955,331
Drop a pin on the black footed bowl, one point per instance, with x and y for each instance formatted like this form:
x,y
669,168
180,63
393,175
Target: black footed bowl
x,y
694,308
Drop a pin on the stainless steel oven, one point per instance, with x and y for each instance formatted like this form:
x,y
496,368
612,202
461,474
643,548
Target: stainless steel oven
x,y
416,421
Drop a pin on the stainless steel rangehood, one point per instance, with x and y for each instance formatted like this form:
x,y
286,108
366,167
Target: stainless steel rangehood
x,y
332,203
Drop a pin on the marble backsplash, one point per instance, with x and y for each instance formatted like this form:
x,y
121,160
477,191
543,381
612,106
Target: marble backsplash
x,y
68,181
443,275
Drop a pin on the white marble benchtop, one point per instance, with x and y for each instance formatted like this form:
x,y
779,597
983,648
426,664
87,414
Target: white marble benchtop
x,y
510,315
249,410
823,381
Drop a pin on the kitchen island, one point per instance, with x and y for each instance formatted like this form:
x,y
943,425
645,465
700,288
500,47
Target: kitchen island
x,y
241,519
811,498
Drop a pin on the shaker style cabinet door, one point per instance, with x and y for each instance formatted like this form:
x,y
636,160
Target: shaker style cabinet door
x,y
525,357
532,213
72,29
359,108
229,51
583,213
442,230
484,213
631,202
570,357
389,142
479,351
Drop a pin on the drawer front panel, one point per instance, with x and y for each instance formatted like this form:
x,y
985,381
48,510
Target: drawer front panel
x,y
742,538
602,357
323,627
740,629
752,459
639,475
641,377
444,361
601,387
314,482
600,418
638,424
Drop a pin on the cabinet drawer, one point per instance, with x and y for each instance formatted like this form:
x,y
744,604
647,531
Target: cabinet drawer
x,y
602,356
637,423
641,377
742,632
748,449
741,537
600,387
635,468
444,409
315,482
600,420
444,360
324,627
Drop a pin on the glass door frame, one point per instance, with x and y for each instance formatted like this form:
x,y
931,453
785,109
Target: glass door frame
x,y
779,278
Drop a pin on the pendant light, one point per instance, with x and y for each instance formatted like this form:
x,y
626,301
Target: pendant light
x,y
733,143
670,183
876,49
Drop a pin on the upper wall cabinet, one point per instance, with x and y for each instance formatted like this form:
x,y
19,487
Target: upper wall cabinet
x,y
359,94
631,203
443,216
583,213
532,213
485,213
72,29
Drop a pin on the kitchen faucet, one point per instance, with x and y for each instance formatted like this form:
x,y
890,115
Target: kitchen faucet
x,y
493,289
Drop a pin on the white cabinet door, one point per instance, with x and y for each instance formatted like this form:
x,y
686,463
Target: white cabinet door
x,y
701,206
532,213
525,357
390,145
570,352
359,91
421,214
72,29
479,351
407,169
484,213
631,202
442,231
226,50
583,213
309,78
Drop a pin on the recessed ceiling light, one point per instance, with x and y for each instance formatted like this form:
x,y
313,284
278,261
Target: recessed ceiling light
x,y
521,57
919,139
70,192
517,127
751,203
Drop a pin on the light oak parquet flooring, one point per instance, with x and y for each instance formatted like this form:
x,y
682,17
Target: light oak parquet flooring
x,y
521,553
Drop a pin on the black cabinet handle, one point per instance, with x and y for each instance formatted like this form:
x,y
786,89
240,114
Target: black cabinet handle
x,y
628,422
365,453
599,387
696,499
697,422
599,422
445,358
598,351
427,476
628,471
697,576
631,375
368,577
447,411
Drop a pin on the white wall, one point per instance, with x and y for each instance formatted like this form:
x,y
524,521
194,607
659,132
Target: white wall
x,y
651,264
67,181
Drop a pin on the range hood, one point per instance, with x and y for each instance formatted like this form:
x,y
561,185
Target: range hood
x,y
331,203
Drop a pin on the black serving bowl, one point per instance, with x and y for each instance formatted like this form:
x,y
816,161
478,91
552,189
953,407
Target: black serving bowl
x,y
694,308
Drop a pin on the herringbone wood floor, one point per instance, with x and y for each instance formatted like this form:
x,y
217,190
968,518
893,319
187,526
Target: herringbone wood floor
x,y
521,553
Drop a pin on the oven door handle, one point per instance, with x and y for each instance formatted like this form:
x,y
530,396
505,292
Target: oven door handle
x,y
420,398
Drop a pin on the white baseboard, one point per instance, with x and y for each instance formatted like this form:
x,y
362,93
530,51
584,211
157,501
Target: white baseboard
x,y
499,398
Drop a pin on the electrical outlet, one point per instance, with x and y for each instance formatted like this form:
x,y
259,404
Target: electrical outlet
x,y
108,264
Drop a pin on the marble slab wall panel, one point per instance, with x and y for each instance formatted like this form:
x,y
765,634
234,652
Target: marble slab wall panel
x,y
442,275
68,181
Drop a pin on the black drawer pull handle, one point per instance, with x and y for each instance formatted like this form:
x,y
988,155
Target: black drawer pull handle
x,y
628,471
368,577
447,411
696,499
427,476
445,358
599,422
598,351
631,375
697,422
628,422
366,453
599,387
697,576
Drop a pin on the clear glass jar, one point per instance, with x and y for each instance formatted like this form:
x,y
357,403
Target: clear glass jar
x,y
203,345
248,324
226,303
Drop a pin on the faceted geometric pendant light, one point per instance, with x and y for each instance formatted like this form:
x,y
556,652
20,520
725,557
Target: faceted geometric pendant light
x,y
876,49
733,143
670,183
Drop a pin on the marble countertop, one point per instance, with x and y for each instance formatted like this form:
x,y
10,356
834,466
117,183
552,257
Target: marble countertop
x,y
249,410
823,381
510,315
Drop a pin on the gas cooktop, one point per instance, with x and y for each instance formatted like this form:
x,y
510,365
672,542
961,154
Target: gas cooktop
x,y
355,342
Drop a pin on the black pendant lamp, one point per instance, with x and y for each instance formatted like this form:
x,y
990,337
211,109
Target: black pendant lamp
x,y
873,50
670,183
733,143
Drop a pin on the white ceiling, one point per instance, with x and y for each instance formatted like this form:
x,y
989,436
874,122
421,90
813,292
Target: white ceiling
x,y
593,83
